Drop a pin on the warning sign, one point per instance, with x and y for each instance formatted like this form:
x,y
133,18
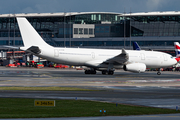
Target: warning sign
x,y
44,103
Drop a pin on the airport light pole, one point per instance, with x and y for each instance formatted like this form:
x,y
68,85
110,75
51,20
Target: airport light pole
x,y
8,25
130,28
64,30
70,30
14,36
124,29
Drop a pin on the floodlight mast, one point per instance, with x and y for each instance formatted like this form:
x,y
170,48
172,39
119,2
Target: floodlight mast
x,y
124,29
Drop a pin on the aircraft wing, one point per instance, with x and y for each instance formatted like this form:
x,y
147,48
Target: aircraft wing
x,y
119,59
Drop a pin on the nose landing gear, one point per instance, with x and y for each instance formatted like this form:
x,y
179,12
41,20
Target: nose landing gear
x,y
159,71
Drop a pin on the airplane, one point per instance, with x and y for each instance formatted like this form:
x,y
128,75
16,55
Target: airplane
x,y
177,49
105,60
136,46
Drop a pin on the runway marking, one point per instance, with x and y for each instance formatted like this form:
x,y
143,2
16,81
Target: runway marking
x,y
153,81
47,78
5,80
159,116
127,77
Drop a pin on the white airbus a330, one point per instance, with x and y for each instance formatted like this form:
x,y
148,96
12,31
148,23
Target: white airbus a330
x,y
104,60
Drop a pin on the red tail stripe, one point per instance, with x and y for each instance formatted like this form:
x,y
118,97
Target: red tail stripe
x,y
177,47
178,59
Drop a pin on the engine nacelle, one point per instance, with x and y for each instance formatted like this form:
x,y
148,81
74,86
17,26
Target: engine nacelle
x,y
135,67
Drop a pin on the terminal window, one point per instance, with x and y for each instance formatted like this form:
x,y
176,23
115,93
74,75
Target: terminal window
x,y
75,30
80,30
91,31
86,31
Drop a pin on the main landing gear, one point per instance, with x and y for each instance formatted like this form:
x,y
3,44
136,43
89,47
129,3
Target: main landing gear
x,y
104,72
90,71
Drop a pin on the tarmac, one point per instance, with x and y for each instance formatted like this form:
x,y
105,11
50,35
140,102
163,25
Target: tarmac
x,y
145,89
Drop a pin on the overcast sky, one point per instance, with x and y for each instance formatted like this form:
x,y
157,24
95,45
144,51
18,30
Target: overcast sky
x,y
119,6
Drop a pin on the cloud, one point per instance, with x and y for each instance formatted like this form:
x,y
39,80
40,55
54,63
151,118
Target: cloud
x,y
153,5
53,6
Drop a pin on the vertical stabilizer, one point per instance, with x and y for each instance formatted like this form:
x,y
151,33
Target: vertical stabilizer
x,y
136,46
177,49
29,35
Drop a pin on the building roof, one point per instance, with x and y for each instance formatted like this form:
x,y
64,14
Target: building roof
x,y
168,13
53,14
171,13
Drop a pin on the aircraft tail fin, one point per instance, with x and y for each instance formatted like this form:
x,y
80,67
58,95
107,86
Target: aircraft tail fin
x,y
29,35
177,49
136,46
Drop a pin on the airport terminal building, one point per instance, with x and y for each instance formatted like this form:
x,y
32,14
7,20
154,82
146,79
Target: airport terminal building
x,y
153,30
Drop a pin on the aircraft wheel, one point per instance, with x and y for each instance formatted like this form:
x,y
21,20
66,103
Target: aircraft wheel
x,y
93,72
90,72
104,72
158,73
110,72
87,72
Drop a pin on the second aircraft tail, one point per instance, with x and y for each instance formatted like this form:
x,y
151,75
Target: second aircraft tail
x,y
136,46
177,49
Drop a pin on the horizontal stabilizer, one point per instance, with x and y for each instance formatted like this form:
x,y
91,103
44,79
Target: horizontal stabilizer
x,y
34,49
12,47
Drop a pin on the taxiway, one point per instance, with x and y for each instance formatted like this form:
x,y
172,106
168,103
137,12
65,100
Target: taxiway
x,y
147,89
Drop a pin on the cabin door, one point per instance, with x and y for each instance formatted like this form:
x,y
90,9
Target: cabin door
x,y
93,55
56,53
142,56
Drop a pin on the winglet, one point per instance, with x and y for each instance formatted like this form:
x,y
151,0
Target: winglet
x,y
123,51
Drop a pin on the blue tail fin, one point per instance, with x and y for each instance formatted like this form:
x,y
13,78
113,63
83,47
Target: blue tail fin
x,y
136,46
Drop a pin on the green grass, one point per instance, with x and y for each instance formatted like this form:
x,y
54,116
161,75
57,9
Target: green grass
x,y
24,108
46,88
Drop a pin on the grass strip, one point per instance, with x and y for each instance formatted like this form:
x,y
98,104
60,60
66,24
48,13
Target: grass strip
x,y
46,88
24,108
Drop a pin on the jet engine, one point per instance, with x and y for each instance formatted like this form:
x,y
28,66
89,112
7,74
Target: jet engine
x,y
135,67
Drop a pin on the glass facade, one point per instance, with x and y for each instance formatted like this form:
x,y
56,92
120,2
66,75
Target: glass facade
x,y
155,25
57,29
54,25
